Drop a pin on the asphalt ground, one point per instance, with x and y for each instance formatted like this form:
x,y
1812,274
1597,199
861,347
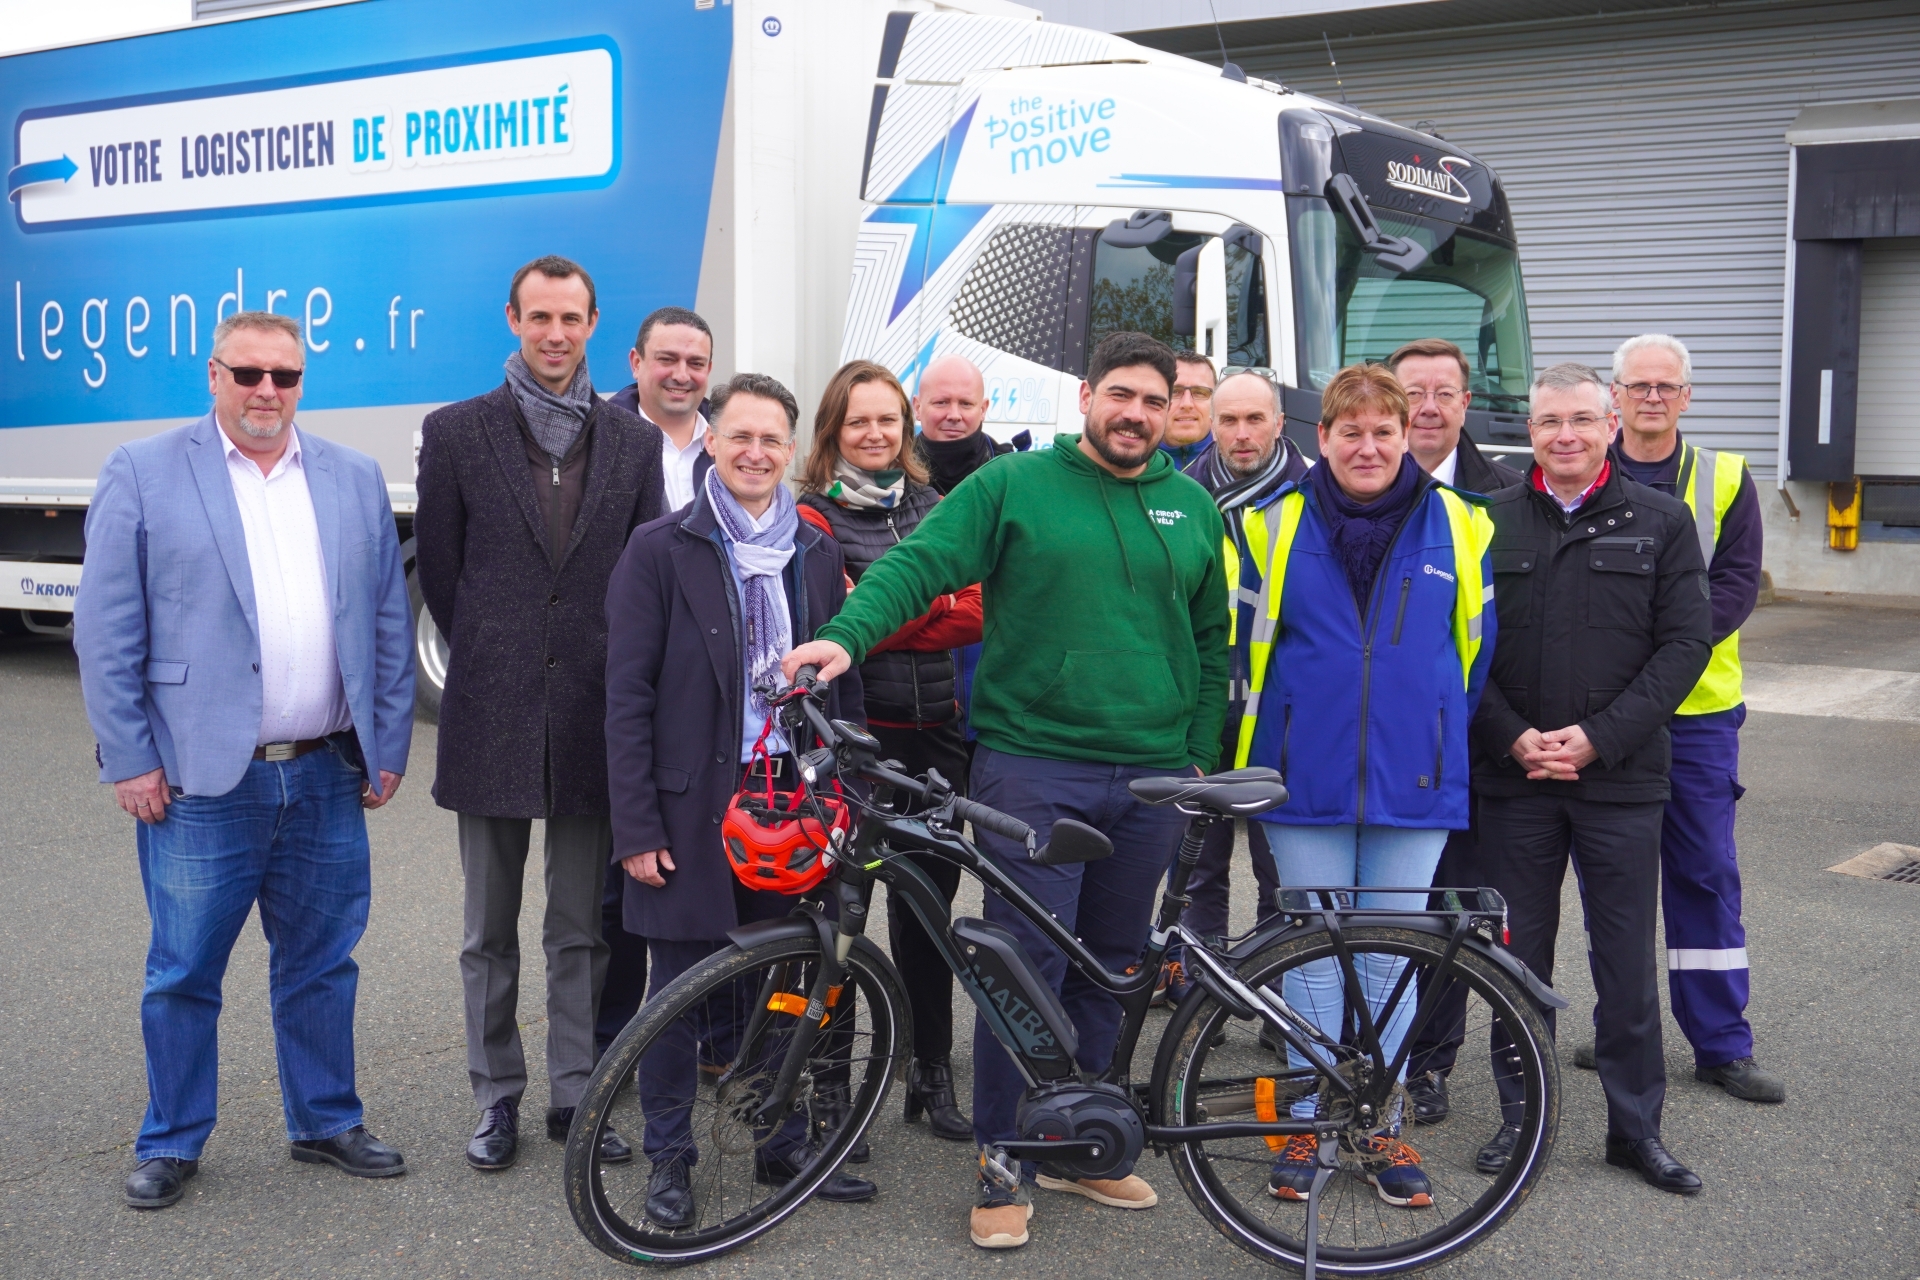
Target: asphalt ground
x,y
1824,1185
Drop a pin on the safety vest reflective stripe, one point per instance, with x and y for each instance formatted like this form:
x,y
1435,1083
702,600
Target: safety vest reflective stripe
x,y
1266,605
1471,532
1709,481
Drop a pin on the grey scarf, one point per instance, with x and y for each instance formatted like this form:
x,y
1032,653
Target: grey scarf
x,y
554,420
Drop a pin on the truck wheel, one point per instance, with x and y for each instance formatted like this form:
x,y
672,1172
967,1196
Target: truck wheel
x,y
429,655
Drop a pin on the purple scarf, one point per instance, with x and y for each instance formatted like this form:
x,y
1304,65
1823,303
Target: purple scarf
x,y
1360,532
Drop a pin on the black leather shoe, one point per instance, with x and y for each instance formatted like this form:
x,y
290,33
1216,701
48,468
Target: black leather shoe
x,y
930,1093
356,1151
842,1187
495,1143
613,1147
1745,1079
1499,1149
1653,1162
159,1182
831,1104
1583,1056
1428,1094
670,1196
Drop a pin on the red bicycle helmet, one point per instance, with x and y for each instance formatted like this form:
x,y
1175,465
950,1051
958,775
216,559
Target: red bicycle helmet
x,y
777,840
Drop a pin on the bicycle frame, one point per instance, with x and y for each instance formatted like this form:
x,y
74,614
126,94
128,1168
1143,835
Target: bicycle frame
x,y
876,856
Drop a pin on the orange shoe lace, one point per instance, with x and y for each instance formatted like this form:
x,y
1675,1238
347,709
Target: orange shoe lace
x,y
1174,972
1390,1153
1301,1148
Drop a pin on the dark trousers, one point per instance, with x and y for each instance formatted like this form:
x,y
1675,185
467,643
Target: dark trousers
x,y
626,985
1107,904
1210,884
1700,888
1524,845
669,1072
923,970
1438,1046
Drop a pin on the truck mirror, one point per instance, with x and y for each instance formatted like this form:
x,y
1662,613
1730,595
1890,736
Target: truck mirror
x,y
1142,228
1397,253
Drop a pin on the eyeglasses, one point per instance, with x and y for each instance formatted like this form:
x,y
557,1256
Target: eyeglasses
x,y
1228,371
1642,390
247,376
1579,422
771,444
1445,397
1200,394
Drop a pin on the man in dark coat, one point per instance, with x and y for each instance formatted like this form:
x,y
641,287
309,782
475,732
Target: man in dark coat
x,y
1437,378
1434,371
527,495
1249,460
1604,627
700,608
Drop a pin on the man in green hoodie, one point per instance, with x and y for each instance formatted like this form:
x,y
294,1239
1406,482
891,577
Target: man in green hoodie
x,y
1104,660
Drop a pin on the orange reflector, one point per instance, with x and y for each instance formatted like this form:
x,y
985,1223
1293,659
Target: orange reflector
x,y
787,1002
833,996
1265,1111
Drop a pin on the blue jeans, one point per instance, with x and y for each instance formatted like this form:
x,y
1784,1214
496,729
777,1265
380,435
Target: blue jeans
x,y
292,837
1358,856
1107,904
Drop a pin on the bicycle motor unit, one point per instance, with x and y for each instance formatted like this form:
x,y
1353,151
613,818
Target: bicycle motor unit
x,y
1099,1113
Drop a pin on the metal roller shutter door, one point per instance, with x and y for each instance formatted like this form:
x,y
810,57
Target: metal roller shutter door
x,y
1887,434
1645,159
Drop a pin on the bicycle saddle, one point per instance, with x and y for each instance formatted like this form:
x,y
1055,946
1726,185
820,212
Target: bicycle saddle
x,y
1233,794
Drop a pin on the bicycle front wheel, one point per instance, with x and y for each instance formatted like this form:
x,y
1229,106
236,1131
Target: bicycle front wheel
x,y
1213,1067
686,1081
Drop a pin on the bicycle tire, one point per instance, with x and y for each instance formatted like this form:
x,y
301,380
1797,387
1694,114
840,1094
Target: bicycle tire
x,y
1201,1028
614,1220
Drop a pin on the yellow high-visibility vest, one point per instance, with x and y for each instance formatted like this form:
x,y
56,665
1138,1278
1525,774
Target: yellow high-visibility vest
x,y
1472,533
1709,481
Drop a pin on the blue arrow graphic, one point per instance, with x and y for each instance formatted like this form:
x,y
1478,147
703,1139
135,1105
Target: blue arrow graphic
x,y
25,175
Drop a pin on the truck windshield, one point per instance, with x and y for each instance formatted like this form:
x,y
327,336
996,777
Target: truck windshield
x,y
1352,309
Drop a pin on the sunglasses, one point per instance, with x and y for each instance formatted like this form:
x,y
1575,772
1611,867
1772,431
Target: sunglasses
x,y
246,376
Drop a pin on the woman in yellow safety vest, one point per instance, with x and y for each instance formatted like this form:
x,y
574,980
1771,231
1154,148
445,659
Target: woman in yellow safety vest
x,y
1369,639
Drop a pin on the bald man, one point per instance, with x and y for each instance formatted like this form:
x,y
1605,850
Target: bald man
x,y
951,405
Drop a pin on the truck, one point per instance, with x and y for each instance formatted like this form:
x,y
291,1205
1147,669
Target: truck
x,y
1000,187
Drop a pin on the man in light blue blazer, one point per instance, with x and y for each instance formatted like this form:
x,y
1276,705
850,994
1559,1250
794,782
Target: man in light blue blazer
x,y
246,655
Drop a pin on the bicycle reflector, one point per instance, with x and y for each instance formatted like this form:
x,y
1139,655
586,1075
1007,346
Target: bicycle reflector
x,y
782,840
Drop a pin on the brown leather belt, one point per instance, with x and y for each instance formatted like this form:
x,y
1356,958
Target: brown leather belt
x,y
288,750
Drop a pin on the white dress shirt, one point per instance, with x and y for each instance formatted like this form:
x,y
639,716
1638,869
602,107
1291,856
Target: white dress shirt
x,y
676,464
1448,466
302,695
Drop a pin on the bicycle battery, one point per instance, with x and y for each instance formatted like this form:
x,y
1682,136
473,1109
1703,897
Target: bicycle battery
x,y
1015,1000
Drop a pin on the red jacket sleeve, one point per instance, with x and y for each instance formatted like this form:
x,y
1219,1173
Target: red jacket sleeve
x,y
953,621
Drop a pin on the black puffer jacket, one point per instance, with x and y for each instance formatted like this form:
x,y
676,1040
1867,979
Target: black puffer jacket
x,y
1604,623
902,686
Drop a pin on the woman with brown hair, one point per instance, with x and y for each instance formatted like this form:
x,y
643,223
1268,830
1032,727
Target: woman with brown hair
x,y
864,484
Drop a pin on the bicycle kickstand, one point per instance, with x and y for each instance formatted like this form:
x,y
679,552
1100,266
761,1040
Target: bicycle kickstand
x,y
1326,1162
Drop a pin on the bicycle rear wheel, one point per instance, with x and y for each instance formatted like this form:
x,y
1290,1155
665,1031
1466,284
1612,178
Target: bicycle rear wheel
x,y
1211,1067
705,1073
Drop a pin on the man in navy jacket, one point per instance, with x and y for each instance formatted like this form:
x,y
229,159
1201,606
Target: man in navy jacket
x,y
682,721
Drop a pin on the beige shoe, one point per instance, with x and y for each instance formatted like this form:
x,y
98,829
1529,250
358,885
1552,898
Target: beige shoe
x,y
1130,1192
1001,1227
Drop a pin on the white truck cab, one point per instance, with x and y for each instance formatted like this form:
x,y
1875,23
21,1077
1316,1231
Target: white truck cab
x,y
1031,188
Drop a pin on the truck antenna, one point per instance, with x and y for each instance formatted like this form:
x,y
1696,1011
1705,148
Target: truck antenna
x,y
1335,65
1228,69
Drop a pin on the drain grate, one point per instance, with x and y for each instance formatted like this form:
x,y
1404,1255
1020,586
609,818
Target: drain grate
x,y
1895,863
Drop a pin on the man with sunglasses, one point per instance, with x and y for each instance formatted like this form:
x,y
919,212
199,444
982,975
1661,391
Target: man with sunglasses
x,y
246,654
527,495
1700,869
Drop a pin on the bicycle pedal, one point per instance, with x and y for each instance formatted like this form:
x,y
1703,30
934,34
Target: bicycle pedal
x,y
1000,1169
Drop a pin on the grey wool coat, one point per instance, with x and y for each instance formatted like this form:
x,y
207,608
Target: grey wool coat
x,y
522,721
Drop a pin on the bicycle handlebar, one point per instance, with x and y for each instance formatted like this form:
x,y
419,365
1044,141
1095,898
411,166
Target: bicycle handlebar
x,y
993,820
802,691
